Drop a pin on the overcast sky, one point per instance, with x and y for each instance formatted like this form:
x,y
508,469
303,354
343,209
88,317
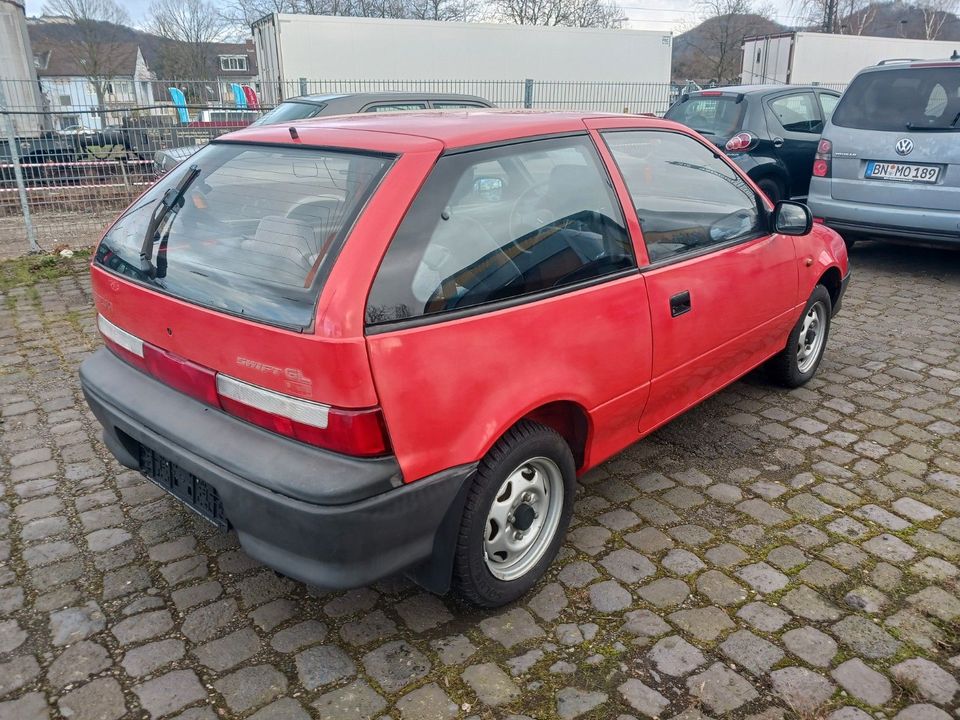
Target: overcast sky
x,y
667,15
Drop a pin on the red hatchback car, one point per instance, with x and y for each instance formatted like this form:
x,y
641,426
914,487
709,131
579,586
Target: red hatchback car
x,y
373,344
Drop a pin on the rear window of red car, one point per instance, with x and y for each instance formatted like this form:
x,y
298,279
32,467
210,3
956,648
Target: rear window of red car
x,y
254,231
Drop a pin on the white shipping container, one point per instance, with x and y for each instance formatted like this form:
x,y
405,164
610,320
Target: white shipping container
x,y
325,48
805,57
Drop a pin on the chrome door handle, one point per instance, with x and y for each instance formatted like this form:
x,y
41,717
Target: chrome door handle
x,y
778,142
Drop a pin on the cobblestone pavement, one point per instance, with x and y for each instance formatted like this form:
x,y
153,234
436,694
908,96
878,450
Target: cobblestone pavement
x,y
770,554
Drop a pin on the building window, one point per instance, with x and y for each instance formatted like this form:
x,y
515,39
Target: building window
x,y
233,62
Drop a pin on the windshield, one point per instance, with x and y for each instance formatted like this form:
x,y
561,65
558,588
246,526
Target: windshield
x,y
904,99
711,115
287,111
254,233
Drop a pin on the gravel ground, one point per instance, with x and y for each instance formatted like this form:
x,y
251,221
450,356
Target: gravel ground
x,y
771,554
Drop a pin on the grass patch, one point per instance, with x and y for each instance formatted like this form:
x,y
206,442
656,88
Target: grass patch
x,y
35,268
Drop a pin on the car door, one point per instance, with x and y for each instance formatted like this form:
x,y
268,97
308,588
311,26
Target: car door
x,y
511,283
722,289
795,123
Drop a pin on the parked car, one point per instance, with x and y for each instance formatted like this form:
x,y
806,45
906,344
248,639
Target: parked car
x,y
770,131
888,165
308,106
375,344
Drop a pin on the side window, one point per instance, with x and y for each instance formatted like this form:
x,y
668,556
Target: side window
x,y
828,104
797,113
501,223
394,107
687,199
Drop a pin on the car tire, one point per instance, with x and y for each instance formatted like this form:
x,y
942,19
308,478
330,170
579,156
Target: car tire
x,y
796,364
523,488
772,189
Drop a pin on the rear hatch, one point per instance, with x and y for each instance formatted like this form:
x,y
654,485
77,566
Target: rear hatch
x,y
895,138
210,282
715,114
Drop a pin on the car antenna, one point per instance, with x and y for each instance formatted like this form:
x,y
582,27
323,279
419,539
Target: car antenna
x,y
294,134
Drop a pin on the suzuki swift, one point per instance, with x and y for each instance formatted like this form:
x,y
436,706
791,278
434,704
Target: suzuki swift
x,y
374,344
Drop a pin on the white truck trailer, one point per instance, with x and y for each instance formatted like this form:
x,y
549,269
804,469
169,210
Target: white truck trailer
x,y
807,57
580,67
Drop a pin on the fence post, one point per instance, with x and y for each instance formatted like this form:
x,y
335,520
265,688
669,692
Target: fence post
x,y
18,174
528,93
303,86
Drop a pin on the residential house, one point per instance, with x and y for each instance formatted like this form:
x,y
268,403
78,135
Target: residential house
x,y
72,97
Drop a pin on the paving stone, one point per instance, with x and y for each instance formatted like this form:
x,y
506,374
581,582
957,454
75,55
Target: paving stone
x,y
356,701
649,540
145,659
12,636
763,512
251,687
922,711
372,626
427,703
751,652
881,517
721,689
810,605
589,539
291,639
675,656
522,663
32,706
609,596
511,628
578,574
17,672
763,617
171,692
821,575
720,589
283,709
937,602
915,510
804,691
682,562
929,679
644,623
645,700
810,645
142,627
865,598
423,612
228,651
395,665
77,663
849,713
325,664
549,603
726,555
491,684
206,622
787,557
454,650
628,566
574,702
705,624
267,617
100,699
863,682
76,623
890,548
865,638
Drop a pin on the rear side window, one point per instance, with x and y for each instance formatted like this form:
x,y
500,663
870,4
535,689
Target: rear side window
x,y
797,113
502,223
255,232
902,99
687,199
711,115
395,107
828,103
288,111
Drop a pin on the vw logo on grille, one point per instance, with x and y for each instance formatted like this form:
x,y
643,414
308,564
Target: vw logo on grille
x,y
904,146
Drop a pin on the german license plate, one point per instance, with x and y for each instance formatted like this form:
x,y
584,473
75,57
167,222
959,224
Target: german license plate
x,y
902,172
198,495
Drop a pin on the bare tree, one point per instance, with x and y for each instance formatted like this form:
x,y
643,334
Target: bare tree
x,y
852,17
455,10
572,13
99,44
190,27
241,14
720,35
856,19
935,14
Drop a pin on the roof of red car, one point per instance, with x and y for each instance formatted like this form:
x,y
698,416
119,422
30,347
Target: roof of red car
x,y
408,130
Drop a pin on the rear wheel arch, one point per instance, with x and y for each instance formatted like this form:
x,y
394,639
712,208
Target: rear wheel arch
x,y
569,419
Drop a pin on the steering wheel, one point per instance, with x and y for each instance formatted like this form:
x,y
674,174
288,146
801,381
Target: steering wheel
x,y
535,217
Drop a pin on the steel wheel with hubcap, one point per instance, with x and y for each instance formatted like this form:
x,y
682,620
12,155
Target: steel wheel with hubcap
x,y
515,516
799,360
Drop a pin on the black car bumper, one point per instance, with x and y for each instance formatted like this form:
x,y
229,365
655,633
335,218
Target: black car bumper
x,y
352,521
843,291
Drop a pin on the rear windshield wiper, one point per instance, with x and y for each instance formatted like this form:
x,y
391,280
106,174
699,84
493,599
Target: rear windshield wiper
x,y
935,128
171,201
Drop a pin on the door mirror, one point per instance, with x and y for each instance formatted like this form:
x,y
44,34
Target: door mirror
x,y
489,189
792,218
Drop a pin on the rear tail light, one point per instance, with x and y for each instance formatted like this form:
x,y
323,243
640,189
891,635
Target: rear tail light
x,y
821,161
740,142
361,433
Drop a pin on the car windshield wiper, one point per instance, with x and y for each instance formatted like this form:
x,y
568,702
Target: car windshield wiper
x,y
171,201
935,128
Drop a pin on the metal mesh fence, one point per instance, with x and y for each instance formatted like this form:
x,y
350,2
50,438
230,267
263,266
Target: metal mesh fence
x,y
68,167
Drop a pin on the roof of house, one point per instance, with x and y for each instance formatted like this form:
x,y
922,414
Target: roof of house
x,y
60,60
